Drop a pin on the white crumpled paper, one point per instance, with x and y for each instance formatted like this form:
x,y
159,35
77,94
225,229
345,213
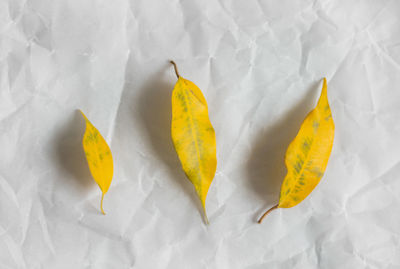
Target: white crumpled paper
x,y
259,65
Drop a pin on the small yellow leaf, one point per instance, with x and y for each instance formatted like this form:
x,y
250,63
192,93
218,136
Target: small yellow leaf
x,y
308,154
99,158
193,136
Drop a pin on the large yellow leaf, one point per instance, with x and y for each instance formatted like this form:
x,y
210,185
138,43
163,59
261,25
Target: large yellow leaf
x,y
308,154
193,136
99,158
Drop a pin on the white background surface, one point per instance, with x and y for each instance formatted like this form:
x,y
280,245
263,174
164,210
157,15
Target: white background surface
x,y
259,65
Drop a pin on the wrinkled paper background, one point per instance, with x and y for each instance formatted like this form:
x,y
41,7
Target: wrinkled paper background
x,y
259,65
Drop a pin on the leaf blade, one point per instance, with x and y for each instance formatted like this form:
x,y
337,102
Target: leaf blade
x,y
308,154
193,136
99,158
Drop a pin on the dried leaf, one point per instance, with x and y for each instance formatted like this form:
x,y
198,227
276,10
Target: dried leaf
x,y
193,136
308,154
99,158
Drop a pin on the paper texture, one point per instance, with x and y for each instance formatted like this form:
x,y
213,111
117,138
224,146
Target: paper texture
x,y
259,65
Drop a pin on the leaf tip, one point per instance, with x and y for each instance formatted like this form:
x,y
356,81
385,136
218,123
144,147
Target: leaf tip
x,y
83,114
324,92
205,212
206,219
324,85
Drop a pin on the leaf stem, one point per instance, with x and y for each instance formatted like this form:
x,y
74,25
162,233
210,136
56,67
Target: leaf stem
x,y
176,68
267,212
101,204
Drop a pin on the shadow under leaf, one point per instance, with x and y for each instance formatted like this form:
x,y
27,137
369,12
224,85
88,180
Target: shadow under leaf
x,y
69,153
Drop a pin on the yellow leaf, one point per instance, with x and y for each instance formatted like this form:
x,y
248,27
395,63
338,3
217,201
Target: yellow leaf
x,y
99,158
308,154
193,136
